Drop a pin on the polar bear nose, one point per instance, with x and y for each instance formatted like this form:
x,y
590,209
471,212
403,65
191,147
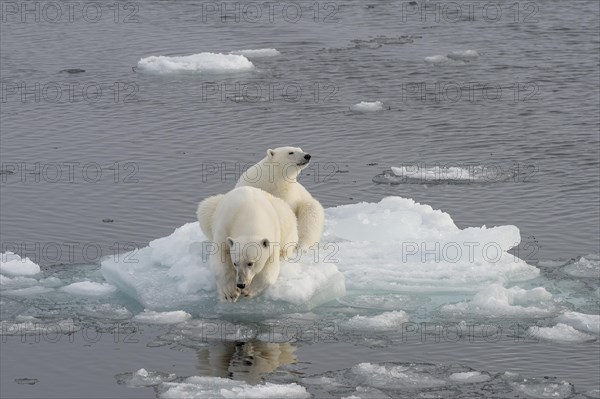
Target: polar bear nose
x,y
241,286
307,157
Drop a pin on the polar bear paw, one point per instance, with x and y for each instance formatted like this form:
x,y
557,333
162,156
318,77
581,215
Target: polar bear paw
x,y
229,294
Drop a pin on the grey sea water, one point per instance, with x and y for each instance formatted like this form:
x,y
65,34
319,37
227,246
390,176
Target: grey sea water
x,y
99,157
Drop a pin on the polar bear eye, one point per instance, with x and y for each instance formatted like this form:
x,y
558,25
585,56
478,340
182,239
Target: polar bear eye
x,y
291,153
250,264
234,264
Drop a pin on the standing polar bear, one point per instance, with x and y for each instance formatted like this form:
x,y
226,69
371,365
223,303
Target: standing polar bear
x,y
251,230
277,174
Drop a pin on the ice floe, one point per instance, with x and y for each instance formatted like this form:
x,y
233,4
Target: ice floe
x,y
89,288
196,63
385,321
257,53
497,301
581,321
366,106
217,387
560,333
391,247
152,317
13,265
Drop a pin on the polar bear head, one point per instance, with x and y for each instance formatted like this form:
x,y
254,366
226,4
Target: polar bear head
x,y
289,160
248,256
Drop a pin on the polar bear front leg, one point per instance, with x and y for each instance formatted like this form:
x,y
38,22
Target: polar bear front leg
x,y
227,291
311,217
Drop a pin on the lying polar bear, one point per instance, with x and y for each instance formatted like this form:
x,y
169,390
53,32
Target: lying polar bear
x,y
277,174
251,229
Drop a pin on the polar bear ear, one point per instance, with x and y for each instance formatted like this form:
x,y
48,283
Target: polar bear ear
x,y
229,242
265,243
270,153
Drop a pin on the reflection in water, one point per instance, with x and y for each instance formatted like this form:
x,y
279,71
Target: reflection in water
x,y
247,361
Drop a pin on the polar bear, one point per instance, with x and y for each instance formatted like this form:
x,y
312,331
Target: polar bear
x,y
277,174
250,230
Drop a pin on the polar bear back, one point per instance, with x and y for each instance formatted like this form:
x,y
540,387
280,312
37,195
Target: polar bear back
x,y
246,211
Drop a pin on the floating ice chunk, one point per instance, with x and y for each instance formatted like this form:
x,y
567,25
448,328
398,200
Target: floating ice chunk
x,y
13,265
540,389
392,376
263,52
89,288
196,63
216,387
144,378
469,377
594,393
7,283
437,59
152,317
497,301
398,245
173,273
106,311
456,56
367,393
581,321
466,55
394,246
586,267
385,321
365,106
560,333
29,291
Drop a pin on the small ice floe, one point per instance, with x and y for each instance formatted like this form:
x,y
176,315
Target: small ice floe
x,y
152,317
581,321
106,311
196,63
383,322
469,377
257,53
366,106
216,387
584,267
560,333
455,56
89,288
539,387
497,301
13,265
144,378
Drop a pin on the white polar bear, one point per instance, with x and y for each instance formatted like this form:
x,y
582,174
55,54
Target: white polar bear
x,y
277,174
250,229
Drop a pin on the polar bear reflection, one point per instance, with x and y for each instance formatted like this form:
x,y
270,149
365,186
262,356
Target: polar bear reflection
x,y
248,361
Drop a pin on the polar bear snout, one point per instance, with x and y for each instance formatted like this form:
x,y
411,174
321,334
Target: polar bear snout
x,y
307,157
241,286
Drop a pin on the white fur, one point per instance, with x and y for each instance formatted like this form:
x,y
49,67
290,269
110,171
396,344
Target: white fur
x,y
248,226
277,174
